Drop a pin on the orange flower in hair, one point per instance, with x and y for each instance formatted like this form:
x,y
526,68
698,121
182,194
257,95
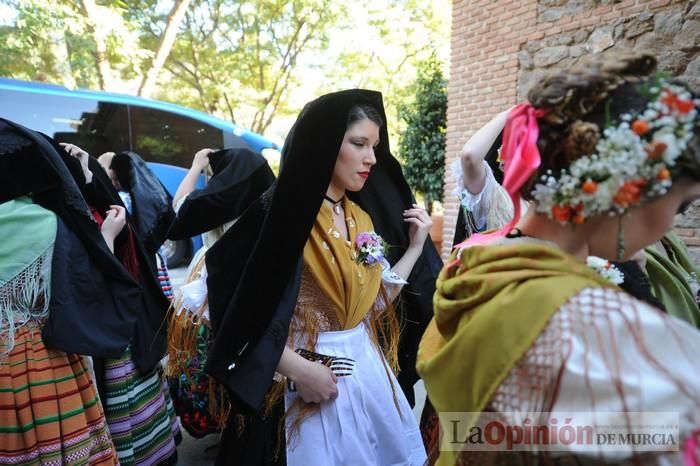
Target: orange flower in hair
x,y
682,106
641,127
589,187
561,213
663,174
655,150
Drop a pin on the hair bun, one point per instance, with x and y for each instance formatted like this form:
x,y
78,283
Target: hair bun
x,y
581,139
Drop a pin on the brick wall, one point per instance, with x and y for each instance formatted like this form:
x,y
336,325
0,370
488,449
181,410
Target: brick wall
x,y
498,48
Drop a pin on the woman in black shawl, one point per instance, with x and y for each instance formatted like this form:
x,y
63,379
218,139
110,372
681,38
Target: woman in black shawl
x,y
138,408
148,203
260,272
63,294
235,178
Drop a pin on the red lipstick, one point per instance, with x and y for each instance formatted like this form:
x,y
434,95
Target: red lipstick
x,y
364,175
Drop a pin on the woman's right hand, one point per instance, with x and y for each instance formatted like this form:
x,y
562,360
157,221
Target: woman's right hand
x,y
316,383
114,222
201,159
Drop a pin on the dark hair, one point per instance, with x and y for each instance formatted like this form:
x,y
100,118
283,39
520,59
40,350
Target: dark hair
x,y
582,101
121,165
360,112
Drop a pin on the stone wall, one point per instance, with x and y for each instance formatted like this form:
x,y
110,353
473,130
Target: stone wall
x,y
499,48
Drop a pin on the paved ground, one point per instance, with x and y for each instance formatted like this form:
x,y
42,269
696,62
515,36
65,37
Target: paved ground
x,y
201,452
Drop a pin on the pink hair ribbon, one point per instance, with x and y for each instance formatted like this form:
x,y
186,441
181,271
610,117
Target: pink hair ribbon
x,y
521,158
691,446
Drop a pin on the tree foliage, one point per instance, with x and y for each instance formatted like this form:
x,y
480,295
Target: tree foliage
x,y
422,144
254,62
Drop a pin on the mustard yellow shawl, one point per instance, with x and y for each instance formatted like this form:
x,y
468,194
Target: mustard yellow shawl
x,y
351,287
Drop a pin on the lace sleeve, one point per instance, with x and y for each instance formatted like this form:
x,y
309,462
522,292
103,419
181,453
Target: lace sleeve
x,y
605,352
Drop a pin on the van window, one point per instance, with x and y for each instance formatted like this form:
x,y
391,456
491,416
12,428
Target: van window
x,y
169,138
92,125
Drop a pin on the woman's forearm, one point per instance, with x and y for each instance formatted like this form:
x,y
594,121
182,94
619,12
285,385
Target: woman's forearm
x,y
403,267
291,365
110,242
475,150
189,182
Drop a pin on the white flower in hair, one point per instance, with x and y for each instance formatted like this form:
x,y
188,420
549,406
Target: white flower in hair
x,y
634,161
605,269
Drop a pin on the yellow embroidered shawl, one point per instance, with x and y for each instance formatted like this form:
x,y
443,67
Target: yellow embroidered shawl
x,y
351,287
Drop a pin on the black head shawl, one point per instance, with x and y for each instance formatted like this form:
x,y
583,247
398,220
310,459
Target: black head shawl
x,y
94,301
254,270
149,337
152,210
239,177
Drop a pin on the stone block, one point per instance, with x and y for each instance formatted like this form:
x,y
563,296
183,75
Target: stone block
x,y
639,25
673,62
550,56
668,23
601,39
525,60
581,36
689,36
691,76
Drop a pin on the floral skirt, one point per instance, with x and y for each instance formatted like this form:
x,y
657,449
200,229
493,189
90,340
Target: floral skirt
x,y
140,414
49,410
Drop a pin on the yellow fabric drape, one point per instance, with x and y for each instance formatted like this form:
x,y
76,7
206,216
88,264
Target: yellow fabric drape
x,y
351,287
489,310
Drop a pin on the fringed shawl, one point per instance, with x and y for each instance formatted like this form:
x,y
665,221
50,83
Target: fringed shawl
x,y
28,233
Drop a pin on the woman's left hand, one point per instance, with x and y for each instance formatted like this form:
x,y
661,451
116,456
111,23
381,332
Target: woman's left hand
x,y
82,157
420,224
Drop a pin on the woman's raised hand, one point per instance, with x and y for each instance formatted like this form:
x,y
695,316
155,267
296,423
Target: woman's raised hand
x,y
82,156
114,223
419,225
316,383
201,159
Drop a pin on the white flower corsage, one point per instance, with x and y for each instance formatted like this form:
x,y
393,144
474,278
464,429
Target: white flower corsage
x,y
606,269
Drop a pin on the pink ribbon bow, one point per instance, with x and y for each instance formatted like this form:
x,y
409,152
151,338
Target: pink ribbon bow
x,y
521,158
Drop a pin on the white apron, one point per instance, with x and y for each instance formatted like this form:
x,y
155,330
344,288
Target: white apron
x,y
362,426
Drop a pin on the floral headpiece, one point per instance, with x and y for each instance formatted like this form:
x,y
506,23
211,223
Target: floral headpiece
x,y
635,161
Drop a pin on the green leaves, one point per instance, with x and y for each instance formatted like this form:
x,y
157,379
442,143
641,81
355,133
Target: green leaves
x,y
422,144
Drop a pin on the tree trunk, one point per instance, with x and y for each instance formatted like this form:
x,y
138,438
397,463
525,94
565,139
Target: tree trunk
x,y
104,71
164,46
59,46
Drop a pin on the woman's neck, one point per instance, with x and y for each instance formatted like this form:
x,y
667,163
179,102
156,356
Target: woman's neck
x,y
570,240
334,192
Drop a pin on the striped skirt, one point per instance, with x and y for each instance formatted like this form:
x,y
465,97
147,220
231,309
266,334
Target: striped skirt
x,y
49,410
164,277
140,414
